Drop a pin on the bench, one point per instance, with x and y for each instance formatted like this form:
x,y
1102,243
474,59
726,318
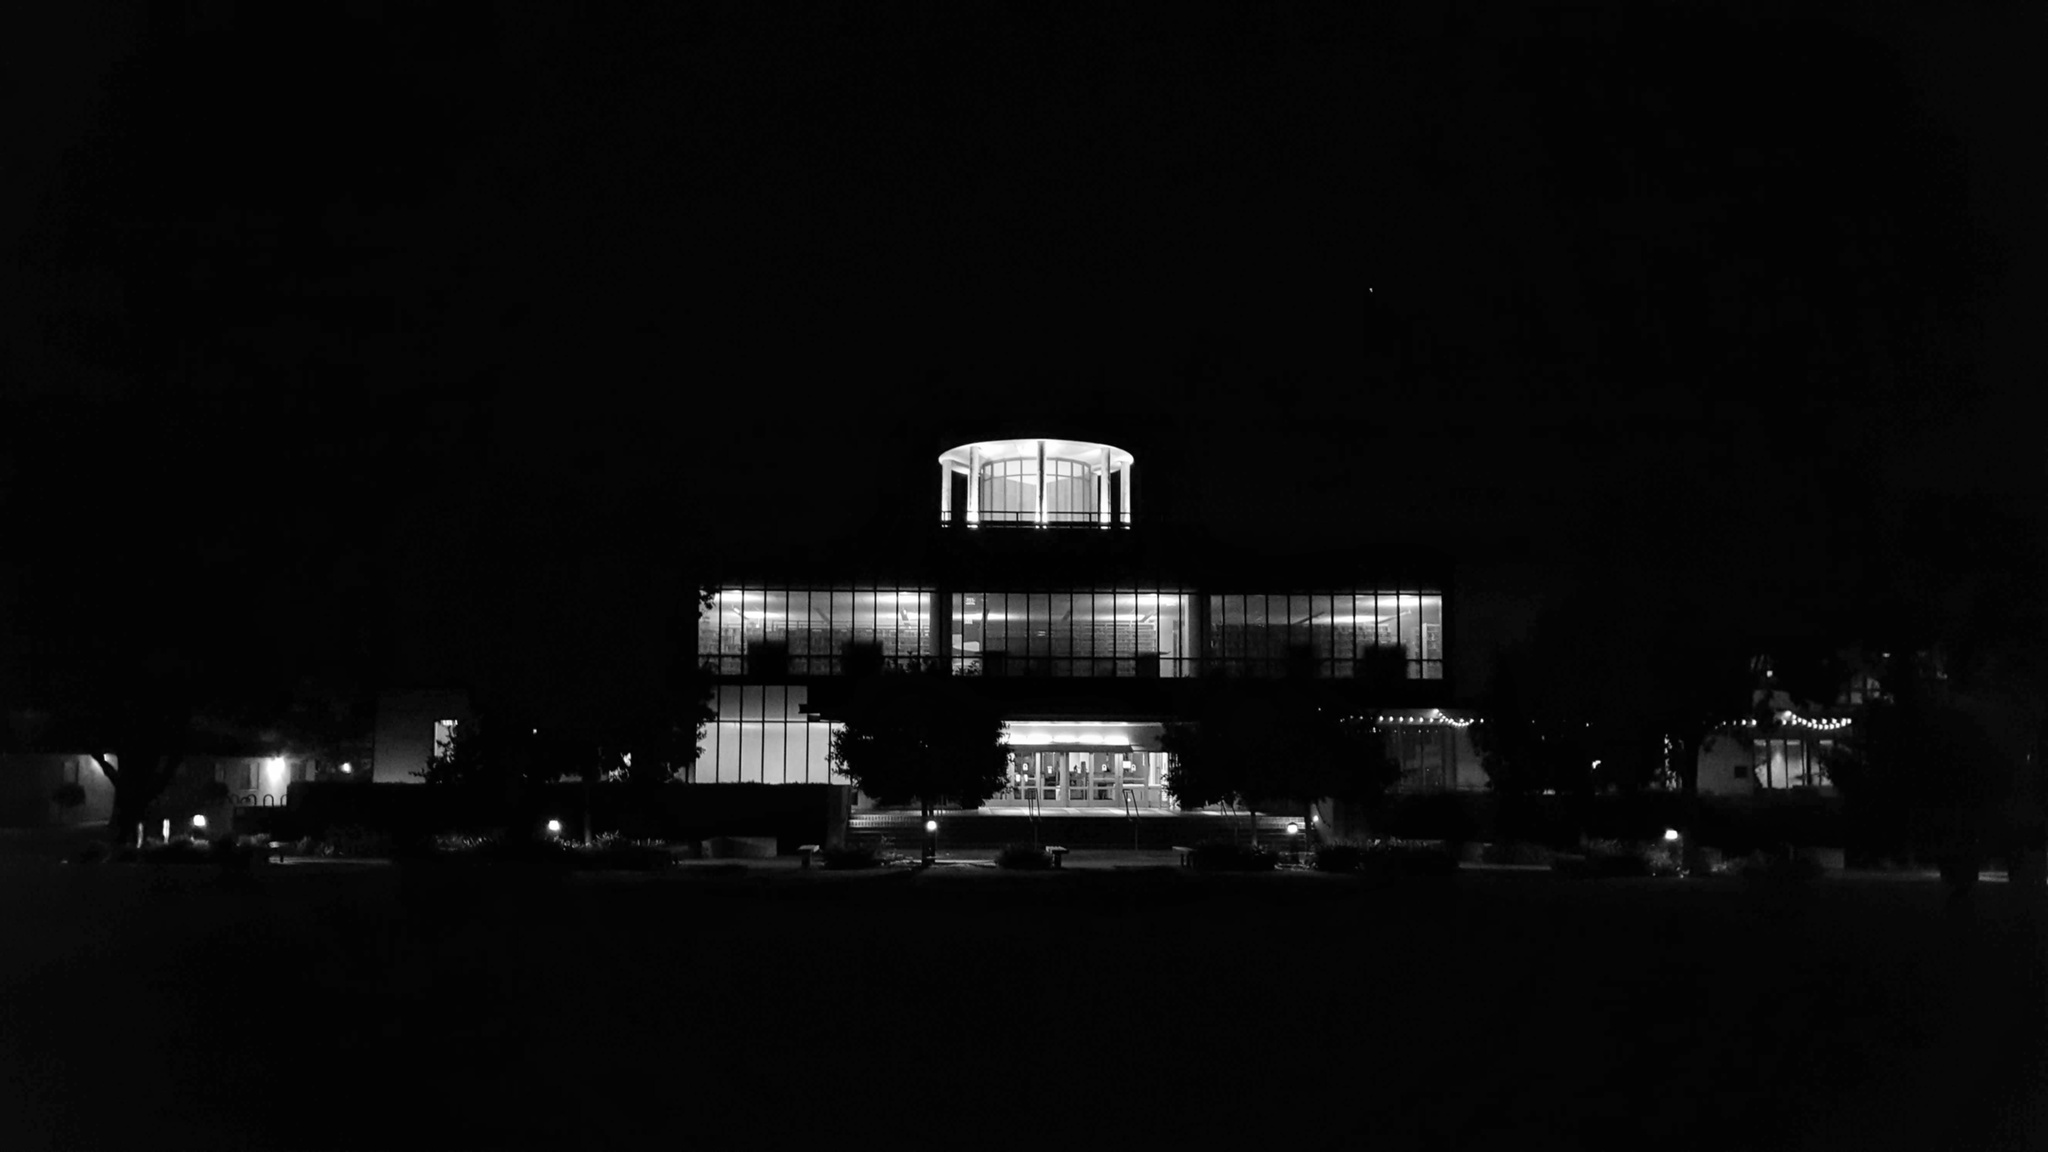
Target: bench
x,y
807,851
1187,855
1058,854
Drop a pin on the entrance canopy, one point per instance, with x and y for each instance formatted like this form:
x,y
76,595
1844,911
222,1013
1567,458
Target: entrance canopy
x,y
1084,734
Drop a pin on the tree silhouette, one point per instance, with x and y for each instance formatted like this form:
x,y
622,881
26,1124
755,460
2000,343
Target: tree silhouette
x,y
921,737
1256,744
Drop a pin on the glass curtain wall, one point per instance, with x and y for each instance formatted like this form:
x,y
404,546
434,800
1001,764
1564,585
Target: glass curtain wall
x,y
805,631
760,737
1791,763
1261,634
1073,633
1009,491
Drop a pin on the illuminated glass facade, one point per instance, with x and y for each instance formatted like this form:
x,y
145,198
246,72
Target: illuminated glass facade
x,y
1088,641
1073,633
762,736
1790,763
807,631
1261,634
1039,483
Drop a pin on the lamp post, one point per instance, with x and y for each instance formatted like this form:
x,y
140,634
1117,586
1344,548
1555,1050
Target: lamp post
x,y
931,840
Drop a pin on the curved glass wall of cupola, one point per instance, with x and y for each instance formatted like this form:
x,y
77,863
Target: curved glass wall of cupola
x,y
1036,483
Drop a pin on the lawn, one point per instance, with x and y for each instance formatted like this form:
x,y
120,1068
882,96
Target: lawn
x,y
379,1007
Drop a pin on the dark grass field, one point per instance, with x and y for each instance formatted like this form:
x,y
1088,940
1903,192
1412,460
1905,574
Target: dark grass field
x,y
378,1007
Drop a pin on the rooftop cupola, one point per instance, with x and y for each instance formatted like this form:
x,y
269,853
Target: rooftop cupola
x,y
1036,483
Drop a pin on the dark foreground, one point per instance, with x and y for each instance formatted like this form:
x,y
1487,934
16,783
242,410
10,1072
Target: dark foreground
x,y
371,1008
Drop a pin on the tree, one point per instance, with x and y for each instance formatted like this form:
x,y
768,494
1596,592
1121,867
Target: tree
x,y
1924,752
922,737
1287,742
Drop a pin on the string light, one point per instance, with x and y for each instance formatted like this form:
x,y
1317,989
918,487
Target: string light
x,y
1795,720
1436,719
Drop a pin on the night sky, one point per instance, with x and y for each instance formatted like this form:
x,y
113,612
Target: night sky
x,y
378,305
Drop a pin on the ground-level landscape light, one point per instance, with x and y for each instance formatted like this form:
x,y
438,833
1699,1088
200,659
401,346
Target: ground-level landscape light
x,y
347,768
199,822
1671,835
554,827
1293,828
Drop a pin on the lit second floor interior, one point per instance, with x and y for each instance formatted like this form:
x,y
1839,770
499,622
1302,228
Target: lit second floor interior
x,y
1036,483
780,632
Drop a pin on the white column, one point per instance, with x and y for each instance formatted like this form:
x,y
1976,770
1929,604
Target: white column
x,y
945,493
1127,493
1041,483
973,487
1102,490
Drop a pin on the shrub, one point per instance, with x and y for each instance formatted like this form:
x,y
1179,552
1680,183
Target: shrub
x,y
68,795
353,842
1228,856
613,851
236,853
852,856
1774,868
1339,857
180,850
1605,859
460,842
93,853
1517,852
1024,858
1391,857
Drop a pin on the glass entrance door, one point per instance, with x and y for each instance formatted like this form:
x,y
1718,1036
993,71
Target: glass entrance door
x,y
1063,778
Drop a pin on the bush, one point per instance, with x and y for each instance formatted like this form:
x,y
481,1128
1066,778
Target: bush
x,y
1024,858
93,853
1518,852
1445,816
1610,859
1339,857
1389,858
180,850
852,856
353,842
1774,868
1228,856
613,851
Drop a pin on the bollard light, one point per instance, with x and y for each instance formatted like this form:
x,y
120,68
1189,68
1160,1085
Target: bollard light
x,y
167,831
199,821
554,827
1670,835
